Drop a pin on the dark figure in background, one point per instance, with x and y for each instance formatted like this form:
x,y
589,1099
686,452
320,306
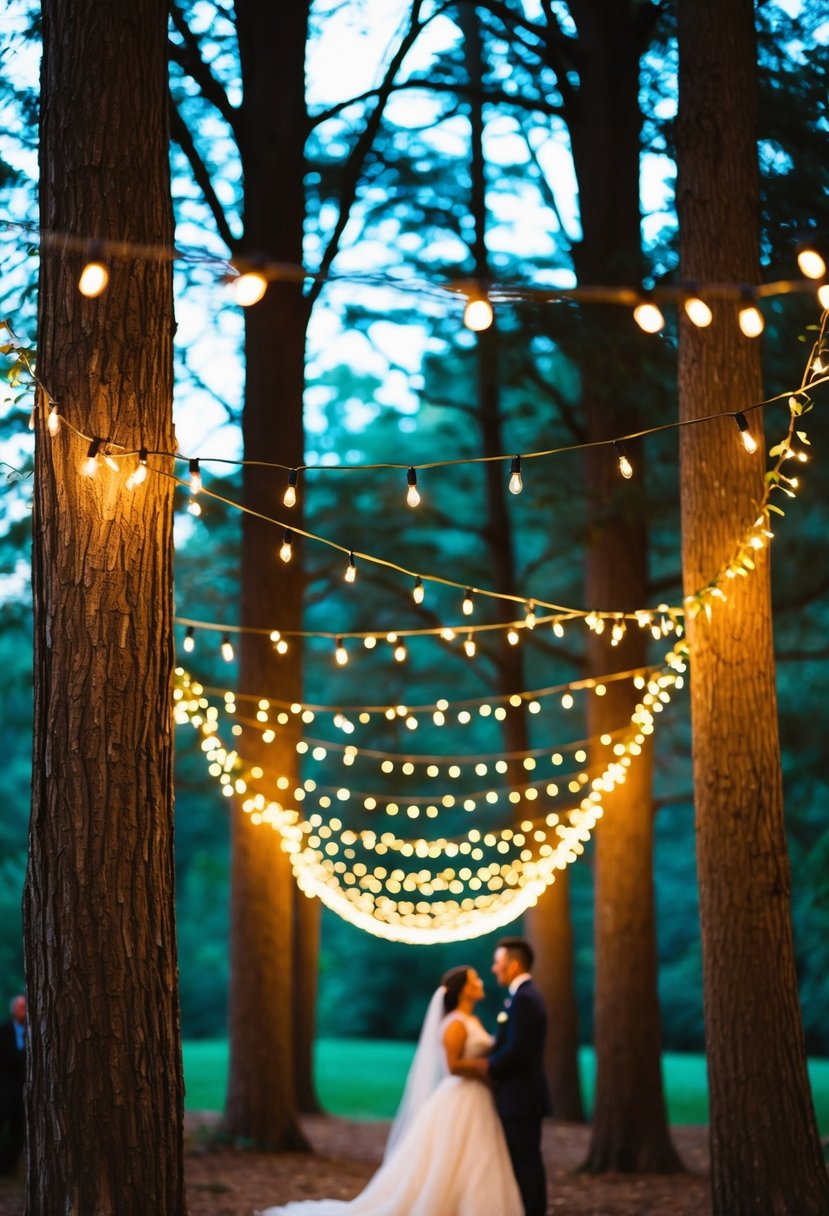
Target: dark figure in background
x,y
12,1077
516,1067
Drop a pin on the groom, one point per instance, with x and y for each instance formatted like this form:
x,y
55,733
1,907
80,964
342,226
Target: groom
x,y
516,1067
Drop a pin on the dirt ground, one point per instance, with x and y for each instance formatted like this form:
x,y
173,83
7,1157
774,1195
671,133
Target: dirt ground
x,y
221,1182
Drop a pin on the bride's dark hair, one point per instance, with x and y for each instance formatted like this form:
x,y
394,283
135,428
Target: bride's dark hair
x,y
453,982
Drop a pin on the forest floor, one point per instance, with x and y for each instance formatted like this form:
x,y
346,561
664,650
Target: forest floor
x,y
222,1182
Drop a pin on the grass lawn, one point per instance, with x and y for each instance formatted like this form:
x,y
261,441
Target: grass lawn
x,y
363,1079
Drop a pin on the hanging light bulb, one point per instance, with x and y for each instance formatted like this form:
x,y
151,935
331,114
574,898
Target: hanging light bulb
x,y
227,649
53,421
340,653
194,507
111,462
648,317
412,495
139,473
625,467
286,549
749,442
469,646
195,476
697,311
90,465
811,260
94,279
749,316
400,652
289,497
468,605
513,637
350,570
478,314
418,592
190,640
823,296
529,619
249,288
516,483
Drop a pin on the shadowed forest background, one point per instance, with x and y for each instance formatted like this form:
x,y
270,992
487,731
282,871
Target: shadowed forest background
x,y
391,373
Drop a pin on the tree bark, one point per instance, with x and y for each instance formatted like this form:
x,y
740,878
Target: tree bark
x,y
629,1129
261,1102
548,925
104,1089
765,1152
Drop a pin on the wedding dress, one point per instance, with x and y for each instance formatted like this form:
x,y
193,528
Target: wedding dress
x,y
447,1155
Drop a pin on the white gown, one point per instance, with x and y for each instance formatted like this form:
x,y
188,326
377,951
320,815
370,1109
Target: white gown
x,y
452,1160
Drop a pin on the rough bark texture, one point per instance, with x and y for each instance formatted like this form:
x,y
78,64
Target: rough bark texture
x,y
765,1152
549,925
105,1091
261,1102
630,1129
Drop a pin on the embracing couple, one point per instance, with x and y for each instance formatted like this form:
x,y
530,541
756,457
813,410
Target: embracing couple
x,y
466,1140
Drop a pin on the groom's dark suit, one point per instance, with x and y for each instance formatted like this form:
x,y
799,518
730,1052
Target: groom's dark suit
x,y
516,1067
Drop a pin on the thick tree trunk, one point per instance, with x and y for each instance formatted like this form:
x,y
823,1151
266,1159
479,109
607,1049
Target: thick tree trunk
x,y
765,1151
261,1104
104,1091
629,1119
549,924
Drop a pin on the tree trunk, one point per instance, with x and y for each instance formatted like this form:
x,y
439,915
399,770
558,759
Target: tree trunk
x,y
765,1151
104,1089
261,1103
629,1120
549,924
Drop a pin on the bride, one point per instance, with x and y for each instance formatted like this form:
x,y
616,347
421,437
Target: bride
x,y
446,1154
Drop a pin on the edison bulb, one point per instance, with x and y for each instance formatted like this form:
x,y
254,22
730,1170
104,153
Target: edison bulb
x,y
478,314
94,280
698,312
249,288
648,317
751,321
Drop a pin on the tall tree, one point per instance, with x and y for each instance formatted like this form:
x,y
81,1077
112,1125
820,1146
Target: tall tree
x,y
765,1152
105,1092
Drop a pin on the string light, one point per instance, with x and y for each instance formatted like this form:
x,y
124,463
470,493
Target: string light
x,y
697,311
227,649
195,476
648,316
280,645
350,570
139,473
749,316
530,618
810,260
749,442
286,549
340,653
53,420
94,280
189,640
469,646
418,592
516,482
823,296
478,314
90,465
400,652
625,467
289,497
249,288
513,637
412,495
468,605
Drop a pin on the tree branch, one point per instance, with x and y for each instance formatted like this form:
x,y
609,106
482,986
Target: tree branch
x,y
180,132
187,55
467,91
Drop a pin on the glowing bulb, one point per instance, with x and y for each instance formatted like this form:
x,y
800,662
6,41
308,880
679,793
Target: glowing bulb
x,y
750,318
194,508
195,476
111,462
190,640
823,296
350,570
412,495
400,652
139,473
289,497
418,592
32,418
94,279
227,649
469,646
529,619
468,605
516,483
698,312
340,653
286,549
249,288
812,263
513,637
625,467
648,317
90,466
53,421
477,315
749,442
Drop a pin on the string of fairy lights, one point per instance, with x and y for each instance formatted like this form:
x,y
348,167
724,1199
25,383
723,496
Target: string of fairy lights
x,y
340,838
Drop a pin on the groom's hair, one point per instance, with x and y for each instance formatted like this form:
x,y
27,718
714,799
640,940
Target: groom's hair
x,y
452,984
518,948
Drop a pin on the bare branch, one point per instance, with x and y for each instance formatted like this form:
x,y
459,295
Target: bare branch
x,y
180,132
187,55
